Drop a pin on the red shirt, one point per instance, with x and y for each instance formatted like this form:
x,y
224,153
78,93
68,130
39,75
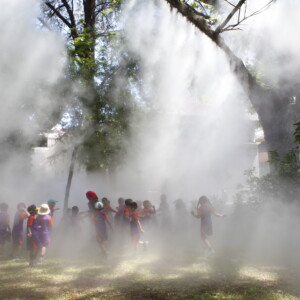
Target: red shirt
x,y
134,215
30,220
126,212
147,212
108,208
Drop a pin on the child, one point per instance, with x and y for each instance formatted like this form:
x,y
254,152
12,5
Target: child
x,y
204,212
120,212
101,218
33,243
139,208
93,198
5,232
182,215
165,213
148,213
75,218
52,204
106,206
75,221
135,225
45,223
126,213
17,231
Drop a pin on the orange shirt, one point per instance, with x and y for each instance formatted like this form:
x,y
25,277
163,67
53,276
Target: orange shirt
x,y
30,220
147,212
108,208
126,212
134,215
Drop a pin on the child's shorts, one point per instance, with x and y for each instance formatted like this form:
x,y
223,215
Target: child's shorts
x,y
44,241
17,239
101,235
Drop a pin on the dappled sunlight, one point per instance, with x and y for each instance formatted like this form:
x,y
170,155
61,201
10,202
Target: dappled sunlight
x,y
133,266
259,274
194,269
146,275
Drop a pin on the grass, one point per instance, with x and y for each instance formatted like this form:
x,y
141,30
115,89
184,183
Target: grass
x,y
147,277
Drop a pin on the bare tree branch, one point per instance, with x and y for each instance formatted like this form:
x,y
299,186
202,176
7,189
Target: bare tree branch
x,y
72,18
232,13
247,80
44,23
233,26
229,3
58,14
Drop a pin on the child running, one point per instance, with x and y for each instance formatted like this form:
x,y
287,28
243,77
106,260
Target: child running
x,y
106,206
148,213
33,242
17,231
45,223
75,221
120,212
101,218
135,226
126,214
165,214
93,199
204,212
5,232
52,203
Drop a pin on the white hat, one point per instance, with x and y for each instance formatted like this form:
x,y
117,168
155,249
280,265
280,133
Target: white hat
x,y
98,205
44,210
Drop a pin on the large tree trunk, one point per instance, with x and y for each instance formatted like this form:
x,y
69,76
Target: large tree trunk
x,y
270,105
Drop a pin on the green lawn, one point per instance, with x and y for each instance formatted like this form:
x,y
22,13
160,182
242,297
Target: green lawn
x,y
147,277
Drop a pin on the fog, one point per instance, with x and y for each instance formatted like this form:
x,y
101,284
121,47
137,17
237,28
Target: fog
x,y
194,135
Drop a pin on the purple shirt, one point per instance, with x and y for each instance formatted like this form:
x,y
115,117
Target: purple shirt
x,y
45,222
18,222
4,219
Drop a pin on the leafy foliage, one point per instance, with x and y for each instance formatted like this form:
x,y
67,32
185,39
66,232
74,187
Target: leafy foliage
x,y
99,114
283,183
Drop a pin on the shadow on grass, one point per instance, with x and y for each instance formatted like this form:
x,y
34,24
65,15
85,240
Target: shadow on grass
x,y
148,277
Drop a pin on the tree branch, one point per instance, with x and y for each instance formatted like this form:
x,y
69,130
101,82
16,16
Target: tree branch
x,y
267,102
196,19
58,14
247,80
232,13
44,23
229,3
239,21
74,32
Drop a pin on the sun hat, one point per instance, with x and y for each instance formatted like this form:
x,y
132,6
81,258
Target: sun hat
x,y
44,210
98,205
52,201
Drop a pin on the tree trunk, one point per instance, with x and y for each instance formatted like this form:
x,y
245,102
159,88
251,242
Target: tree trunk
x,y
70,176
270,105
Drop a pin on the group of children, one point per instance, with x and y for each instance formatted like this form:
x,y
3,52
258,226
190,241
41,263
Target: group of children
x,y
130,218
39,223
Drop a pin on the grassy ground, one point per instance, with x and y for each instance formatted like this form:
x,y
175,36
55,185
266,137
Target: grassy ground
x,y
146,277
